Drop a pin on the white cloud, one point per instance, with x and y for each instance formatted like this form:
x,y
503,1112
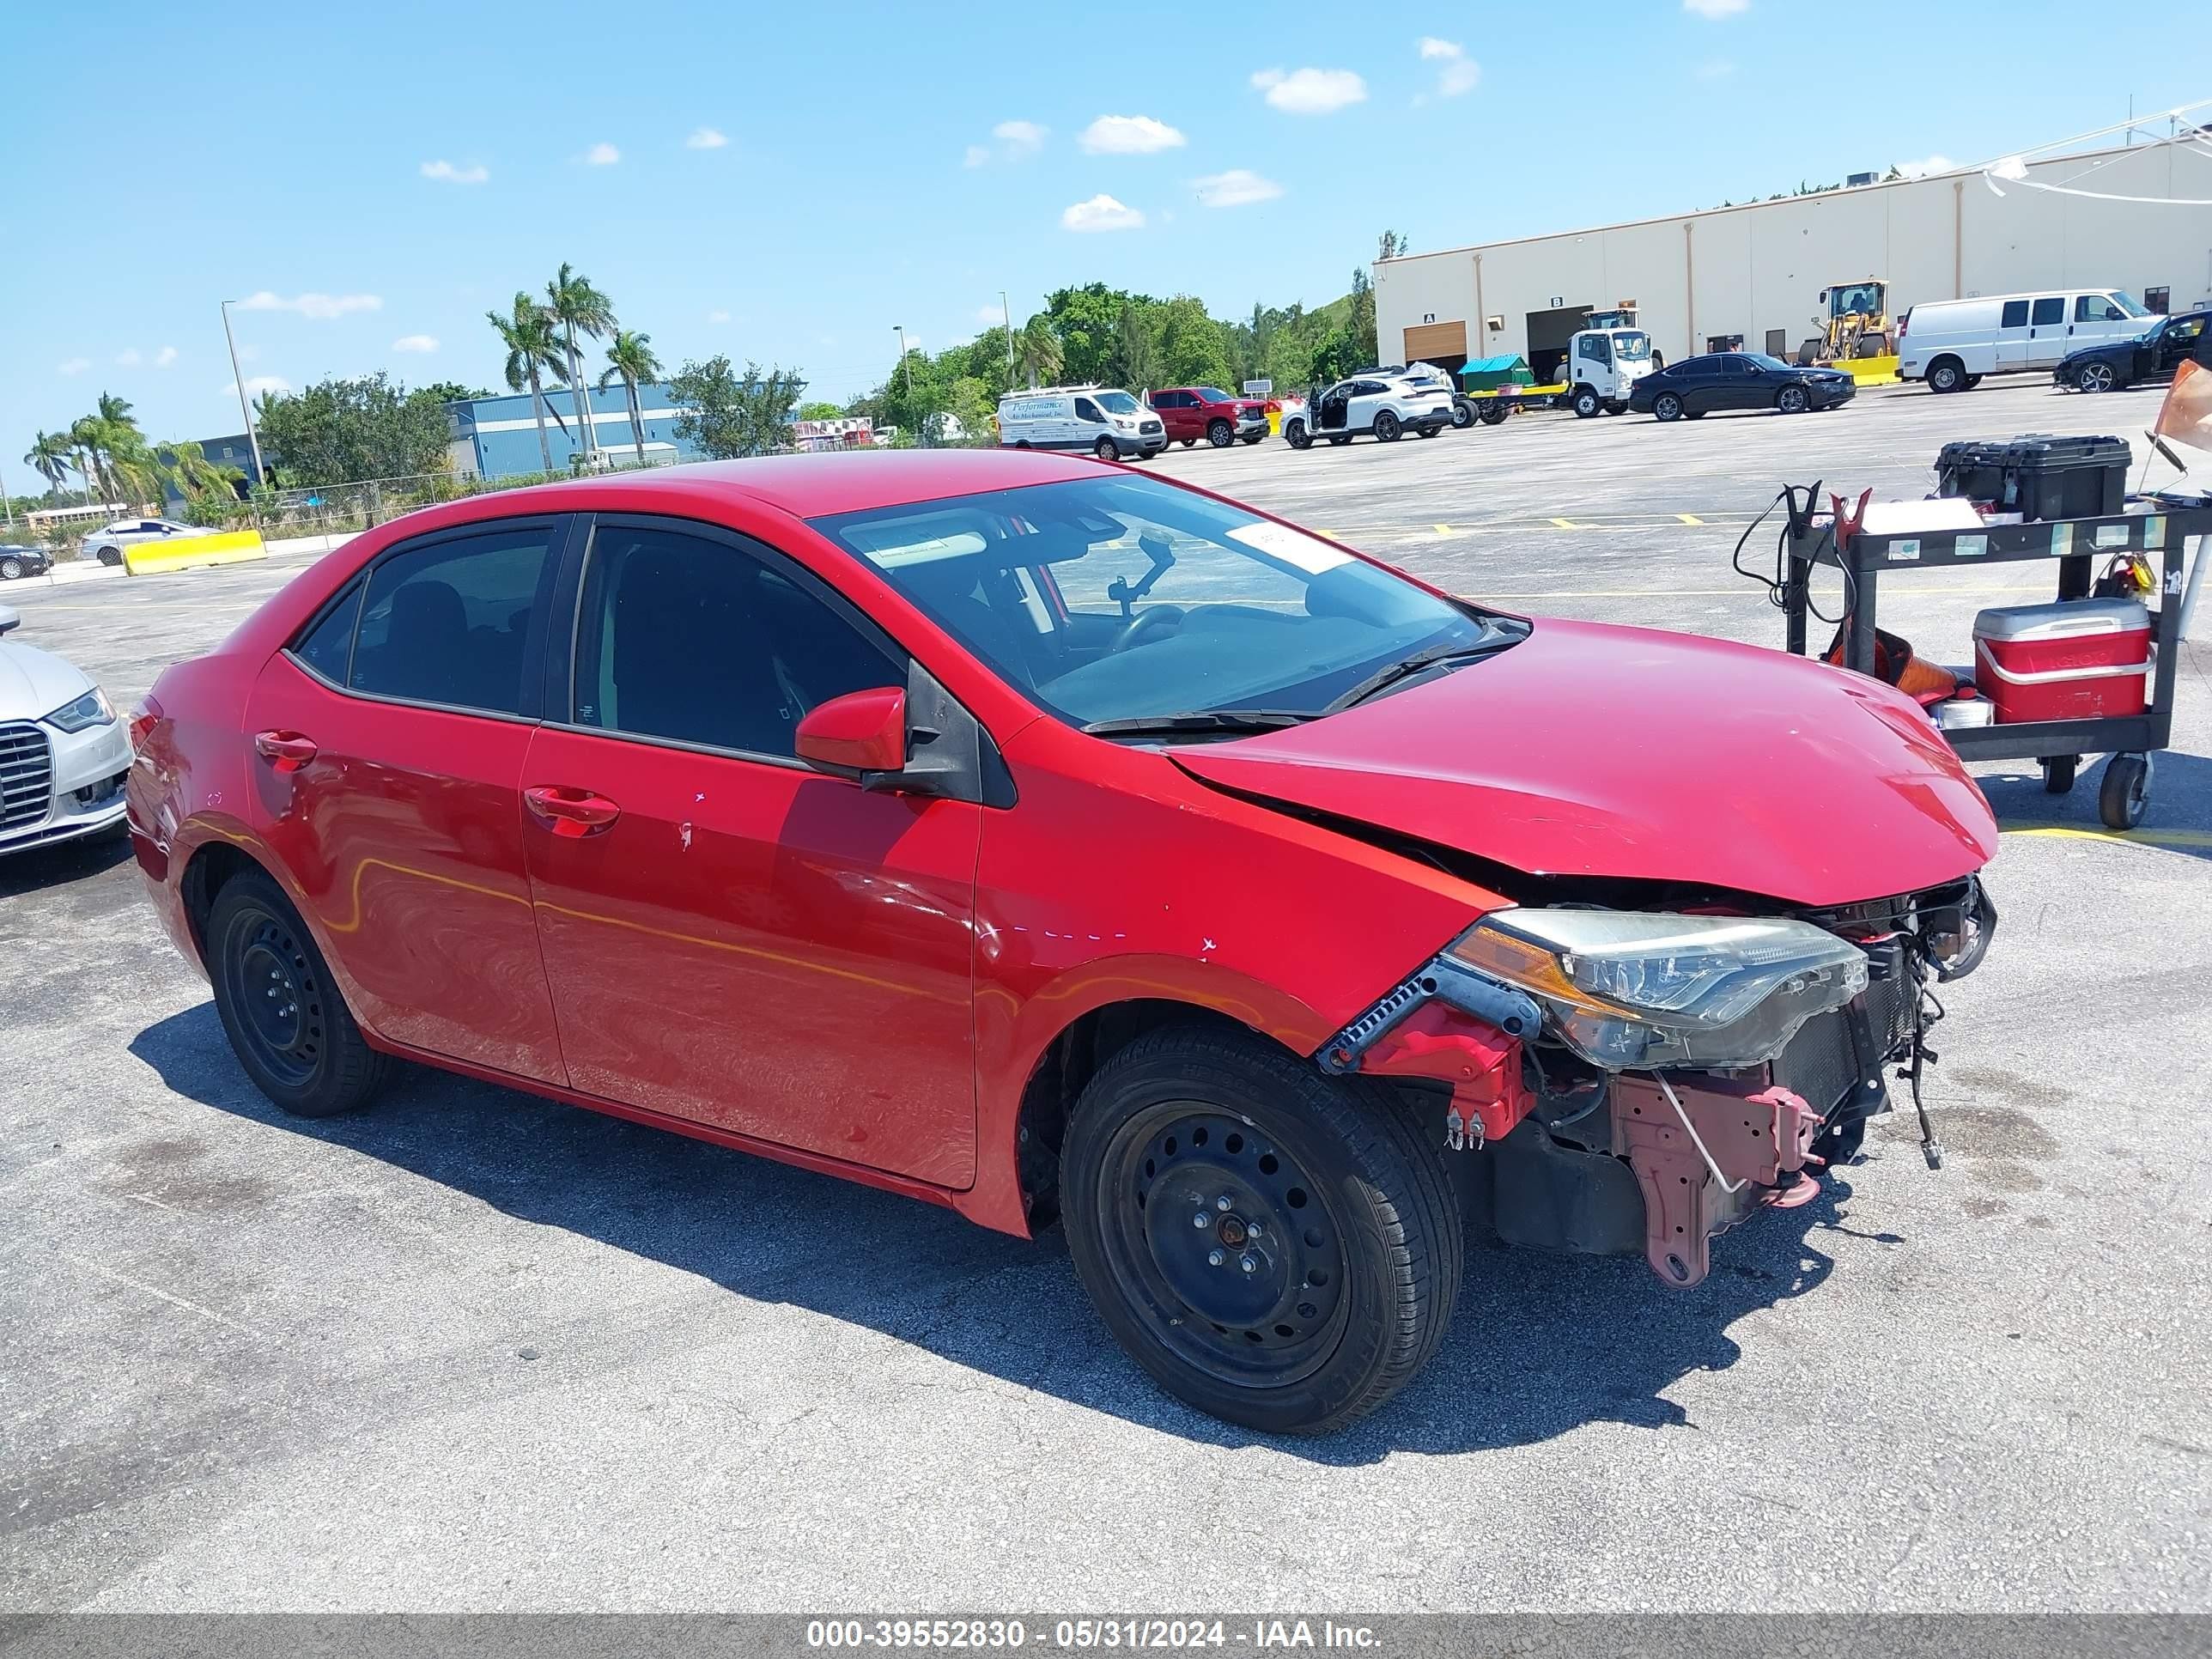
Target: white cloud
x,y
1460,72
1237,187
1713,10
1129,135
976,156
1021,137
78,365
990,316
706,139
425,343
166,357
127,358
1102,212
1719,70
1927,164
718,316
321,307
602,155
447,172
1311,91
256,384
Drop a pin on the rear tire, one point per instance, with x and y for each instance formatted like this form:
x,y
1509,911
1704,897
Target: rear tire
x,y
1387,428
2058,774
111,556
2125,791
1356,1261
286,1020
1463,414
10,569
1667,406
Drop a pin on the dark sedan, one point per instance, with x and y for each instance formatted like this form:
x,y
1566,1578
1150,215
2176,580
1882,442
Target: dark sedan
x,y
1696,386
2152,355
19,562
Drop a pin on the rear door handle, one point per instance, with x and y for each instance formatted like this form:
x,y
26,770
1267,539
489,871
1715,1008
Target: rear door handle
x,y
571,812
288,751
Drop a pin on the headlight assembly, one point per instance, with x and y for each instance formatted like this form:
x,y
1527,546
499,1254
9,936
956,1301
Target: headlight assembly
x,y
88,711
1632,990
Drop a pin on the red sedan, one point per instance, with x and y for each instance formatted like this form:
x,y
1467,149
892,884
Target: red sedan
x,y
1046,841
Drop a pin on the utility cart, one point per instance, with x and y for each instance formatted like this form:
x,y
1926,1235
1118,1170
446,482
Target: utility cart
x,y
2161,535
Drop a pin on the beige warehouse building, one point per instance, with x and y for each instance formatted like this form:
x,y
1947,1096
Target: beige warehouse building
x,y
1749,277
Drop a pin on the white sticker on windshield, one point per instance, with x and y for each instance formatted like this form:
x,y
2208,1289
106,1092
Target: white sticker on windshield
x,y
1279,541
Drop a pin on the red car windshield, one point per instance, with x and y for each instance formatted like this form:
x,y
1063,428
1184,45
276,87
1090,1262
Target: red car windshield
x,y
1214,394
1119,599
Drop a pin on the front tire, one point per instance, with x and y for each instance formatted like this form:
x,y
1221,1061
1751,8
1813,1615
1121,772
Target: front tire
x,y
1791,400
2095,377
1588,404
2125,791
1946,374
1220,434
1105,450
1275,1248
286,1020
1667,406
10,569
1298,436
1387,428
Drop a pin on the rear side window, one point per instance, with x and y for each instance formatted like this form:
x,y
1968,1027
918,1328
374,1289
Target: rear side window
x,y
327,647
695,641
449,622
2016,314
2049,310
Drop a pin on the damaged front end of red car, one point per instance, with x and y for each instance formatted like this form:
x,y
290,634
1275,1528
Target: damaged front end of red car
x,y
1643,1081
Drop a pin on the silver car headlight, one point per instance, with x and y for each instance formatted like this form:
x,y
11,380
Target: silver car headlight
x,y
1632,990
90,710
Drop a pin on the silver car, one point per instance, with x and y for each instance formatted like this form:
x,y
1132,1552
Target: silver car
x,y
107,542
64,754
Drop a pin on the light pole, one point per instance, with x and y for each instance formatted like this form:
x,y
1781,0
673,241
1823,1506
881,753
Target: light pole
x,y
920,435
245,407
1007,312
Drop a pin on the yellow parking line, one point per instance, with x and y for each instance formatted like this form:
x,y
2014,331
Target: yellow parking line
x,y
1443,529
1689,518
1564,524
2145,837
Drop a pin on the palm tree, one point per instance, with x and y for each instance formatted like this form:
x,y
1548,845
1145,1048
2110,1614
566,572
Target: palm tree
x,y
85,435
51,456
533,349
577,307
630,359
1036,350
185,465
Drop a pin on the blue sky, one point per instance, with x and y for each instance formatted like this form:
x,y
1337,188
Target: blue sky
x,y
786,183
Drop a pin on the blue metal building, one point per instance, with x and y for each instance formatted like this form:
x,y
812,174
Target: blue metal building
x,y
497,437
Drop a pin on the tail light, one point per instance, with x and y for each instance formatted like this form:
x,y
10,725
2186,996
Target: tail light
x,y
143,719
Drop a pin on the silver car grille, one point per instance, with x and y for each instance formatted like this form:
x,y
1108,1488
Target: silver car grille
x,y
27,775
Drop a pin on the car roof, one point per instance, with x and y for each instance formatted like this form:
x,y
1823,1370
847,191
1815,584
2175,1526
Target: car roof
x,y
808,486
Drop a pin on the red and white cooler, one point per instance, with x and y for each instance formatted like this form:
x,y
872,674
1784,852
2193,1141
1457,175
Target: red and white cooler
x,y
2078,660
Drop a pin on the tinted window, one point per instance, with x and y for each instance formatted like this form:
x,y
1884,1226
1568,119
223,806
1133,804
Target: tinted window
x,y
1734,366
698,642
2096,308
327,647
2016,314
449,623
1087,410
2049,311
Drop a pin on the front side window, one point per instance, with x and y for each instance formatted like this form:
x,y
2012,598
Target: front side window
x,y
449,622
1124,599
2096,308
2016,314
2183,328
695,641
2049,311
1596,349
1087,410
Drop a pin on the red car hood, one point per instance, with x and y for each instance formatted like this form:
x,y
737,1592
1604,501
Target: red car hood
x,y
1627,752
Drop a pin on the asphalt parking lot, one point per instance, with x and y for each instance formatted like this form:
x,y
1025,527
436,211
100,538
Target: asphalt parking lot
x,y
474,1351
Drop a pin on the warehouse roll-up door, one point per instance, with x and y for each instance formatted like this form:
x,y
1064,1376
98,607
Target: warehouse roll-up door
x,y
1428,342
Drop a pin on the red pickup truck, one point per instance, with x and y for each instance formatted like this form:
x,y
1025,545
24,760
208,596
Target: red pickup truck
x,y
1191,412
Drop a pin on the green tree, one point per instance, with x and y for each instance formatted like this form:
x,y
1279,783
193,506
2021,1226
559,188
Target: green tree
x,y
818,410
973,402
1037,353
453,391
52,454
1134,360
1087,321
727,414
533,350
349,431
576,307
630,360
184,465
1192,348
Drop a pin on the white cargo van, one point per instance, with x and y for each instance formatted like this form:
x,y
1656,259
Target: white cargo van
x,y
1104,420
1952,343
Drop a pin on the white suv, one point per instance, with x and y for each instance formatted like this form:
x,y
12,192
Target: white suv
x,y
1386,408
64,754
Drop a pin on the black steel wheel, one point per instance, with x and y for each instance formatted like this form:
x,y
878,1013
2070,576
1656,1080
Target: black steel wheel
x,y
1220,434
1276,1247
2058,774
1667,406
280,1008
1791,400
2125,792
1105,450
1387,428
2095,377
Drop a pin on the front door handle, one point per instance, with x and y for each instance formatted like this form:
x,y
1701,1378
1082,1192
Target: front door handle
x,y
571,812
288,751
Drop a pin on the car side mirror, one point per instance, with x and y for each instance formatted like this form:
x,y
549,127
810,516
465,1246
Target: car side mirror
x,y
8,619
860,732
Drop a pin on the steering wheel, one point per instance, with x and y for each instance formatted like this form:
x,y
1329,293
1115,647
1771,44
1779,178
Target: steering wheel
x,y
1151,617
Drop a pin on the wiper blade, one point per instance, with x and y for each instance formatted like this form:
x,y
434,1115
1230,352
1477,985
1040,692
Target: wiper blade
x,y
1199,720
1419,662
